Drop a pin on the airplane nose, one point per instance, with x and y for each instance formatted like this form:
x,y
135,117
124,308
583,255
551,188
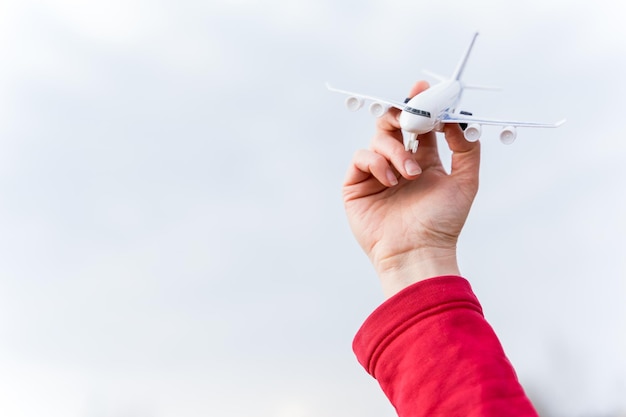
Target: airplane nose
x,y
404,122
414,123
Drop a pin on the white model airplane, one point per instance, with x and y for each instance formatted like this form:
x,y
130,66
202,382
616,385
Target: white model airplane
x,y
434,107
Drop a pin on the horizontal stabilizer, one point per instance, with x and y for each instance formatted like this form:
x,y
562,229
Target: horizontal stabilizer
x,y
435,75
481,87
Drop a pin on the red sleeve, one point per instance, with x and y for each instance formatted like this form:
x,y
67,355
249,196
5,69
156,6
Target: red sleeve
x,y
434,354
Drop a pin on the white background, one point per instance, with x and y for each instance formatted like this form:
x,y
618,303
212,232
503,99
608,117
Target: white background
x,y
172,237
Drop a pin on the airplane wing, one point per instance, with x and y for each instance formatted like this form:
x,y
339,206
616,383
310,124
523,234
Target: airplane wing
x,y
391,103
462,118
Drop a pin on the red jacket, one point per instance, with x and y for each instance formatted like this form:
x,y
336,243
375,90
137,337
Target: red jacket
x,y
434,354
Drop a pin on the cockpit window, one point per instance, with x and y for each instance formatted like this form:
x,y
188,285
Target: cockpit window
x,y
417,111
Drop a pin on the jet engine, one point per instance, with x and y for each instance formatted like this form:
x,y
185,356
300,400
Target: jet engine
x,y
508,135
354,103
472,132
378,109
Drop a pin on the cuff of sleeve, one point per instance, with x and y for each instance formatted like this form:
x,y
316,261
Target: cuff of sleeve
x,y
406,308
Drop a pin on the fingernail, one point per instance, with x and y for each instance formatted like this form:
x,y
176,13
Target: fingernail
x,y
412,168
392,178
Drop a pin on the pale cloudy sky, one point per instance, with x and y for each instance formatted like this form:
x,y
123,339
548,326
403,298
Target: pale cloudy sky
x,y
172,238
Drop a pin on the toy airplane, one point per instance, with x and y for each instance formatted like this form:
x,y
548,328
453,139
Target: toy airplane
x,y
434,107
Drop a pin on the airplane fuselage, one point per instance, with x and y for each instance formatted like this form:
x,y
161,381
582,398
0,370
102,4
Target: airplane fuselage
x,y
423,112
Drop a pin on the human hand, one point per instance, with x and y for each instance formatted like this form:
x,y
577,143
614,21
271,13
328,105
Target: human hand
x,y
404,209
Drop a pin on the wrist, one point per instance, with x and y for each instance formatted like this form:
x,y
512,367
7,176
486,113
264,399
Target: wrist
x,y
403,270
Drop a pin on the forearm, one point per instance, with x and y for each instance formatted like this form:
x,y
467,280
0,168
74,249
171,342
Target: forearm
x,y
434,354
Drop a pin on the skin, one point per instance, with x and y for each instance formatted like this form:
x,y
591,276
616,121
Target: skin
x,y
404,209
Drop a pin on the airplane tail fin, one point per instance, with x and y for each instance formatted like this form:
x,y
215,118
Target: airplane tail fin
x,y
461,66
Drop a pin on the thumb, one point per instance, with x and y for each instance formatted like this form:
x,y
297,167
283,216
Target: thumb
x,y
465,154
